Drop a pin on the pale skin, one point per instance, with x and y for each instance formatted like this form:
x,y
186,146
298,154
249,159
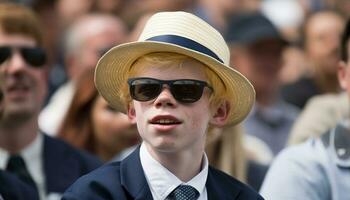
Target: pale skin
x,y
344,73
178,147
24,89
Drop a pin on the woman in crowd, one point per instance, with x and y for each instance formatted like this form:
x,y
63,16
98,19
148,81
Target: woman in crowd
x,y
92,125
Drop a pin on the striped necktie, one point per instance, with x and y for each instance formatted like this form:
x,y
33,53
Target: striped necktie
x,y
183,192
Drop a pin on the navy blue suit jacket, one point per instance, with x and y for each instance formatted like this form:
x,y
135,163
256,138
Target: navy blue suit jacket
x,y
13,188
64,164
126,180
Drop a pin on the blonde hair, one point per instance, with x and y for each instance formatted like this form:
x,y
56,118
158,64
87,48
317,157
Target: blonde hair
x,y
225,151
219,95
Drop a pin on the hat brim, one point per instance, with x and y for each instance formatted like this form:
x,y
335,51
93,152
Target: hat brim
x,y
112,69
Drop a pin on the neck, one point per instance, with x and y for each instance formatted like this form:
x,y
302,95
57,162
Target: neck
x,y
265,99
328,83
184,165
16,137
104,153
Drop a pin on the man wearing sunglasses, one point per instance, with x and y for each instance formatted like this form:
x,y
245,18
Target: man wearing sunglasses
x,y
46,164
175,84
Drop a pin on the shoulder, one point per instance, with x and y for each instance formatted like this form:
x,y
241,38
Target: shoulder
x,y
102,183
59,149
307,151
298,171
228,184
309,155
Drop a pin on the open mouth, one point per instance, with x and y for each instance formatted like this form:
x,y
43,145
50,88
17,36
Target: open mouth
x,y
165,122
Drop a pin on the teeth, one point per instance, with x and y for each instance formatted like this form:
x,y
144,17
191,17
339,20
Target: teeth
x,y
166,121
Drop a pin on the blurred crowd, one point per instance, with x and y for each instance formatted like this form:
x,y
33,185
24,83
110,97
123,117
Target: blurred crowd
x,y
288,49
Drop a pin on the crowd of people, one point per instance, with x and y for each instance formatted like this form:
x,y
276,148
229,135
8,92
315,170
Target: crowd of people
x,y
257,89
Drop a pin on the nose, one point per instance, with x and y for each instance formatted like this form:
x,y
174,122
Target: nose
x,y
15,63
165,98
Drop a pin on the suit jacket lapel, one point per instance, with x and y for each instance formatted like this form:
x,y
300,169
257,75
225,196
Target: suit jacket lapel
x,y
217,187
133,178
58,167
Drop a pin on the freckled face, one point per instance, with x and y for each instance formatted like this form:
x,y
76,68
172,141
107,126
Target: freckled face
x,y
192,118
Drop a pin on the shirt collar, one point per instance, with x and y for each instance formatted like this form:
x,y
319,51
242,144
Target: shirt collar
x,y
162,182
30,153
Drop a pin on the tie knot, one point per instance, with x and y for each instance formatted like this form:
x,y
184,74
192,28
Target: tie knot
x,y
15,161
184,192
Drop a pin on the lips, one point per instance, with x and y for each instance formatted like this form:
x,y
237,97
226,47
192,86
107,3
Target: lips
x,y
17,90
165,120
18,87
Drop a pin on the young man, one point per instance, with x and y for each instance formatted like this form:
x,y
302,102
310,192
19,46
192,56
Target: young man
x,y
176,84
319,168
46,164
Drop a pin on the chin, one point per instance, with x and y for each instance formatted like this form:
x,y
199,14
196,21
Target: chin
x,y
164,146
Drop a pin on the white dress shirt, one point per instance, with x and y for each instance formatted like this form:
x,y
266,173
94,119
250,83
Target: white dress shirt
x,y
32,156
162,182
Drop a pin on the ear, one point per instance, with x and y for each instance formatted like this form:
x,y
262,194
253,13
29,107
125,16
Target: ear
x,y
342,68
131,113
220,115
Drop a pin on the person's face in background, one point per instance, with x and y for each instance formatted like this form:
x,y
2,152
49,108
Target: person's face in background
x,y
322,37
24,86
344,72
94,47
113,130
95,38
261,63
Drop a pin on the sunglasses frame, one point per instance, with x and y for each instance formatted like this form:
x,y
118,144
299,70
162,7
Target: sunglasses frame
x,y
170,83
27,53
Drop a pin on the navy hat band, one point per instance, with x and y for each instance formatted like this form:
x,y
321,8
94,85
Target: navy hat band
x,y
187,43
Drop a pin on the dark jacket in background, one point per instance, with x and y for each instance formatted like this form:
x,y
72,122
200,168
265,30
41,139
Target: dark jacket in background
x,y
12,188
63,164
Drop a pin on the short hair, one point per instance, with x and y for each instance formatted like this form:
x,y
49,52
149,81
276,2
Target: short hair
x,y
89,25
218,96
344,42
18,19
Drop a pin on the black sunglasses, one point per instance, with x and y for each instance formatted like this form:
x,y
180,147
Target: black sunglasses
x,y
183,90
34,56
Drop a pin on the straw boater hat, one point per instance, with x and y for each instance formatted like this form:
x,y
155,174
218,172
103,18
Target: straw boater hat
x,y
182,33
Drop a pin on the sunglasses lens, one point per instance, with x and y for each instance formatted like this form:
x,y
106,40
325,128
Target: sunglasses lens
x,y
144,89
187,91
5,53
34,56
